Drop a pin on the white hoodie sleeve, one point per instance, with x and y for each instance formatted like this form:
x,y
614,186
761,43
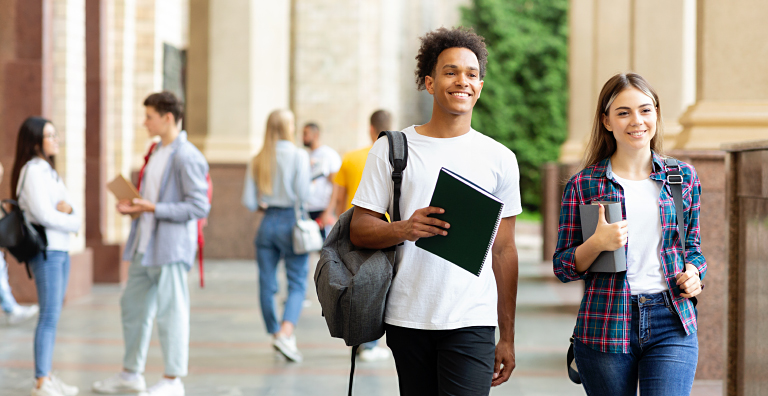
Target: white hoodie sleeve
x,y
36,193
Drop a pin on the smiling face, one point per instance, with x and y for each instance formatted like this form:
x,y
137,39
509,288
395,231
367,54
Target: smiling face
x,y
632,119
455,83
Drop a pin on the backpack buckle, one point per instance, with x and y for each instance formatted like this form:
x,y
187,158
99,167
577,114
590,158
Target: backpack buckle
x,y
675,179
397,176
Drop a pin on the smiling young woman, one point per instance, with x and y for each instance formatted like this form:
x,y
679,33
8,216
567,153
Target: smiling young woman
x,y
638,325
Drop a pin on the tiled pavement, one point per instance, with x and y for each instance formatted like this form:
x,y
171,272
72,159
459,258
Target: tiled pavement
x,y
230,352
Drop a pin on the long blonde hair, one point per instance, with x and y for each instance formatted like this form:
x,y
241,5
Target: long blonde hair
x,y
602,144
279,127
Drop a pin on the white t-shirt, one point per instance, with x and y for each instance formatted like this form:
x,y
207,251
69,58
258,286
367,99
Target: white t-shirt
x,y
429,292
641,202
323,162
150,190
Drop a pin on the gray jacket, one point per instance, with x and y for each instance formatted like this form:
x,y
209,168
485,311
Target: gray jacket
x,y
183,199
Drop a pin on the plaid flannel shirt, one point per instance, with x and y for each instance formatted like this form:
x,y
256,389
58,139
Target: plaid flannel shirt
x,y
605,314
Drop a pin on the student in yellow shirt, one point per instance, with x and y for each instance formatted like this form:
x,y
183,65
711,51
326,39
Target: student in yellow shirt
x,y
352,164
345,185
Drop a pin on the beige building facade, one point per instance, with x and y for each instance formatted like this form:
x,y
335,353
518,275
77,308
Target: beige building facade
x,y
700,56
88,65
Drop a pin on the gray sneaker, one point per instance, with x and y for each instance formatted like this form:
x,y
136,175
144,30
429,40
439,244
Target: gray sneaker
x,y
22,313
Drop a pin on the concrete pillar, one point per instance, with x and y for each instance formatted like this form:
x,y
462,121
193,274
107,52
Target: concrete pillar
x,y
654,38
198,73
732,87
68,115
120,103
42,73
248,74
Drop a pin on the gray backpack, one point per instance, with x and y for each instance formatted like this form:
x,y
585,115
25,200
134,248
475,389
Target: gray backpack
x,y
352,283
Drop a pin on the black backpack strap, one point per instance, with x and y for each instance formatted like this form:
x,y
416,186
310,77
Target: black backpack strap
x,y
675,181
352,371
398,158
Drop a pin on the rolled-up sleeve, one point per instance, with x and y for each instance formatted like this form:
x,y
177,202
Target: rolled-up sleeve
x,y
693,254
568,236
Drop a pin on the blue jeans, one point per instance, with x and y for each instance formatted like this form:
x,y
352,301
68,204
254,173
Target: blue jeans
x,y
661,356
51,277
7,302
273,242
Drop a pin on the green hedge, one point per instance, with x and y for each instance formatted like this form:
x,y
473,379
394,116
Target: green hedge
x,y
525,96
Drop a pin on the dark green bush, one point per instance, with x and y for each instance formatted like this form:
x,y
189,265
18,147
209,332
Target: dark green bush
x,y
525,96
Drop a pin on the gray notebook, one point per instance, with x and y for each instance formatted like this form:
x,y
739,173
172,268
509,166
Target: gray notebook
x,y
615,261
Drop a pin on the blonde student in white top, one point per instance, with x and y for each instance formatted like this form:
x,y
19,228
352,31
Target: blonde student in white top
x,y
44,199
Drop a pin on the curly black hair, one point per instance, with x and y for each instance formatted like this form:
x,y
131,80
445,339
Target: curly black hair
x,y
437,41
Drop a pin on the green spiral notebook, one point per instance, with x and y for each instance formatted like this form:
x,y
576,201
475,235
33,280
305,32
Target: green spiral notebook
x,y
474,215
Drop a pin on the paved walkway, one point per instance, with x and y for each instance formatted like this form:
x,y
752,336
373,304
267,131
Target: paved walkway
x,y
230,352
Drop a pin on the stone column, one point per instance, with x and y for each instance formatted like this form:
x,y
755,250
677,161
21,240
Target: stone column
x,y
654,38
198,73
747,252
248,66
68,115
42,66
732,86
26,80
107,265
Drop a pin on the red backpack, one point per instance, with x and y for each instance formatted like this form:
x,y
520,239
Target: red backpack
x,y
201,223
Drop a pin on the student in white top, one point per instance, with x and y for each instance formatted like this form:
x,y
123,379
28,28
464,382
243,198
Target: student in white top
x,y
440,319
44,199
324,163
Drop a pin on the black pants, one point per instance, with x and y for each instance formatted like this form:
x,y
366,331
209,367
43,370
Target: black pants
x,y
443,362
314,216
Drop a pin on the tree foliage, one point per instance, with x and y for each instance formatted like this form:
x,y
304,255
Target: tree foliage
x,y
524,100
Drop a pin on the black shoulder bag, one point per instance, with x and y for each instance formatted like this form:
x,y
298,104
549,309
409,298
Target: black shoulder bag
x,y
23,239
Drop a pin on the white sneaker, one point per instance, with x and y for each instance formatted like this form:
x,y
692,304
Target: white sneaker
x,y
22,313
287,346
48,388
373,354
166,387
66,390
120,383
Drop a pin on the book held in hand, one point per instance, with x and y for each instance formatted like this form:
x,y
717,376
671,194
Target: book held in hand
x,y
615,261
123,189
474,215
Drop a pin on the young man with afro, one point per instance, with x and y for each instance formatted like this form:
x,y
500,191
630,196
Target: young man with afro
x,y
441,319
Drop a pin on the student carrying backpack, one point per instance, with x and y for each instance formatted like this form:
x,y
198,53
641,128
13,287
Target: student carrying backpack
x,y
352,283
201,223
